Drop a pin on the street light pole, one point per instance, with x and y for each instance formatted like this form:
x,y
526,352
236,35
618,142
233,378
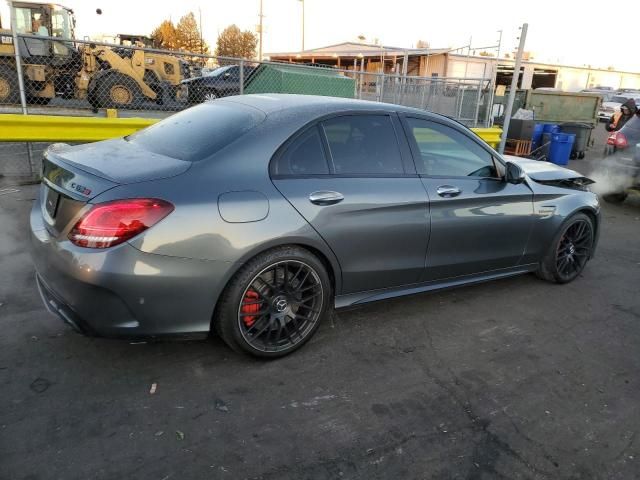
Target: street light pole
x,y
201,42
514,87
302,1
260,32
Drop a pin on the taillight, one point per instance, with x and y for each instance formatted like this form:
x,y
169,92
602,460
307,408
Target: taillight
x,y
111,223
618,139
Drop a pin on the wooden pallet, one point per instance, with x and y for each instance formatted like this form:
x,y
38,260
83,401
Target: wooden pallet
x,y
519,148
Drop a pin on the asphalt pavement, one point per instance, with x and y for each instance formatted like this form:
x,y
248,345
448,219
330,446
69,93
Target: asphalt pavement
x,y
515,379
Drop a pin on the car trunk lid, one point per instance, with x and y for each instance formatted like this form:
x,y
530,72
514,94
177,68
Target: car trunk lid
x,y
74,175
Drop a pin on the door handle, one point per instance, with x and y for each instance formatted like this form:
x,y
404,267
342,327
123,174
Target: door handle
x,y
325,198
448,191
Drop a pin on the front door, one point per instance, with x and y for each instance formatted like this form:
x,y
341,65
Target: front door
x,y
348,179
479,222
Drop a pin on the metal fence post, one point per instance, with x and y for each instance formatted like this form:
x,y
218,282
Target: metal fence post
x,y
475,118
16,48
241,62
18,61
361,77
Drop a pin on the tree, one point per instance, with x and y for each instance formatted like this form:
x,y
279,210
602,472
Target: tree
x,y
188,35
233,42
484,53
165,36
422,44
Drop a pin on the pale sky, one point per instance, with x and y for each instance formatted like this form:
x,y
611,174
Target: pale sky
x,y
566,31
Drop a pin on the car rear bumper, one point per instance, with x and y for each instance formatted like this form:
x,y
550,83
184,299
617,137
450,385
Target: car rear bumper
x,y
123,292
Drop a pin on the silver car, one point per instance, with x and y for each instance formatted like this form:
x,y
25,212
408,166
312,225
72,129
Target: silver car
x,y
254,216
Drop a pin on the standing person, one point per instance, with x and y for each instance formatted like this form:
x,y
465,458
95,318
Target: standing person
x,y
617,121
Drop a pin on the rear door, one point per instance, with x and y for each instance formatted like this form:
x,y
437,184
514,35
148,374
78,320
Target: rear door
x,y
479,222
351,179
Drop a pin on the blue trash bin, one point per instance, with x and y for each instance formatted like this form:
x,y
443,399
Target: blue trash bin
x,y
560,148
550,128
536,140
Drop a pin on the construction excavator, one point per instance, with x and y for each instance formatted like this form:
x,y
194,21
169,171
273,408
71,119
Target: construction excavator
x,y
58,66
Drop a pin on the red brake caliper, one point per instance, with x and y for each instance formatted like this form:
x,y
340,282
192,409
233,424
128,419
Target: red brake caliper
x,y
251,297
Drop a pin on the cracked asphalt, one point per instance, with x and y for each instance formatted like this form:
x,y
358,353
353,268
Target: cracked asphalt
x,y
515,379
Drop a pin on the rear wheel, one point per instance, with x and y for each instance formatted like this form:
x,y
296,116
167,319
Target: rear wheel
x,y
570,250
9,91
116,90
275,303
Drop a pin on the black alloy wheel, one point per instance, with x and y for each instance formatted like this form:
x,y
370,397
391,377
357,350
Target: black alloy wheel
x,y
280,306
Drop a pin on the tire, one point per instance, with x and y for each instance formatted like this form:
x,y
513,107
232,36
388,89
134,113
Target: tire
x,y
570,250
274,304
209,95
32,100
9,90
615,197
116,90
580,155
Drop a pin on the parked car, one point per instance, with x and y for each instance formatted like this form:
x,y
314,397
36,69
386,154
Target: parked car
x,y
608,109
221,82
623,147
606,94
256,216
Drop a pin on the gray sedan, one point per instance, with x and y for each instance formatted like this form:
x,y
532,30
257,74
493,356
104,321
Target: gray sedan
x,y
255,216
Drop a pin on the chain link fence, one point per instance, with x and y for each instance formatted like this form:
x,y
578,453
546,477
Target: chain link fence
x,y
85,77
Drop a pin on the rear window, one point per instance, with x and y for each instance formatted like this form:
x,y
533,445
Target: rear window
x,y
198,132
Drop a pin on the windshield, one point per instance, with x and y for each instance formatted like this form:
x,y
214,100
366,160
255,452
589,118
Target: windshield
x,y
61,23
219,71
619,99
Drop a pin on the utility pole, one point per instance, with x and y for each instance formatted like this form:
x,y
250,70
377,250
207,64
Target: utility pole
x,y
302,1
260,32
466,65
514,87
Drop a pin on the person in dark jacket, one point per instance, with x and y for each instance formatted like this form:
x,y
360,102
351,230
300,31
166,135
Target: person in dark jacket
x,y
617,121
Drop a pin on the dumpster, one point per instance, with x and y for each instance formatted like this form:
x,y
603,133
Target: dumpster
x,y
582,131
560,148
270,78
562,107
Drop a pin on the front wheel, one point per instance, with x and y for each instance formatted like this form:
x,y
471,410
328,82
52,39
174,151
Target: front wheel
x,y
618,197
275,303
569,252
115,90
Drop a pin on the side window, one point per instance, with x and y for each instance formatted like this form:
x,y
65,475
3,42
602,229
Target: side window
x,y
363,145
449,153
234,73
304,156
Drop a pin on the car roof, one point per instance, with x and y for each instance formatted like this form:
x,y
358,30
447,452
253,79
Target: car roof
x,y
270,103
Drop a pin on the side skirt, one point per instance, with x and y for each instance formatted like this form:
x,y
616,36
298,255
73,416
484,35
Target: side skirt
x,y
352,299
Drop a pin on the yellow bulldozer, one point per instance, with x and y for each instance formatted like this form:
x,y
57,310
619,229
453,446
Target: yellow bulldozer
x,y
55,65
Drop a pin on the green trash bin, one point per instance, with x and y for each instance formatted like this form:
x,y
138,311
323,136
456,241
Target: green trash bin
x,y
582,131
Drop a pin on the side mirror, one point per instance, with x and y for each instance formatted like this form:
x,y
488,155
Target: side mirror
x,y
514,174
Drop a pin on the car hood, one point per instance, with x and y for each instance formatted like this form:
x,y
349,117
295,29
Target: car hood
x,y
614,105
192,80
544,171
